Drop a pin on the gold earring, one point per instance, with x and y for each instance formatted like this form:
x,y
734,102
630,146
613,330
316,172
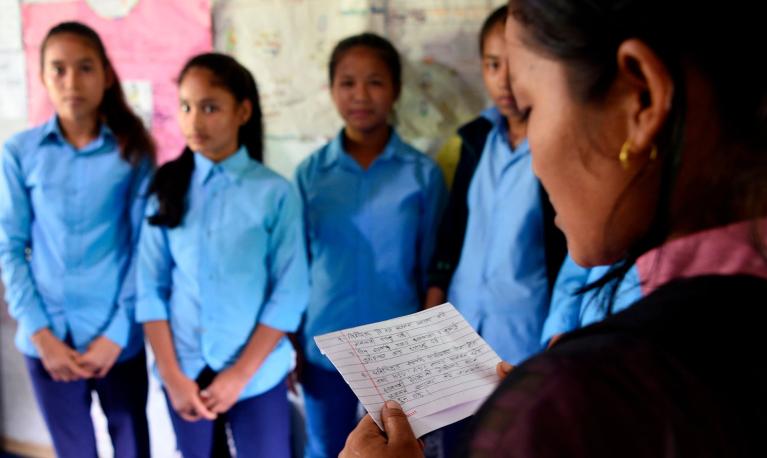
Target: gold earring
x,y
654,153
624,156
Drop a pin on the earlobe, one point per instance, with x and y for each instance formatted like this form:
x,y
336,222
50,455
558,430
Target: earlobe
x,y
651,89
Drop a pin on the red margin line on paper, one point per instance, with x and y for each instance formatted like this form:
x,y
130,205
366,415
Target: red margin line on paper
x,y
375,385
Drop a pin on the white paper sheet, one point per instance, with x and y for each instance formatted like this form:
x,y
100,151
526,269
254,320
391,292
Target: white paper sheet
x,y
139,96
10,25
112,9
13,89
431,362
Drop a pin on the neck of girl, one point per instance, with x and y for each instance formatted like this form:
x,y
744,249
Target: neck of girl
x,y
517,130
365,147
80,132
222,154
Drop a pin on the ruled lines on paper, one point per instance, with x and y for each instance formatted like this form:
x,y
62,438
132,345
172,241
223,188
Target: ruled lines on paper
x,y
429,362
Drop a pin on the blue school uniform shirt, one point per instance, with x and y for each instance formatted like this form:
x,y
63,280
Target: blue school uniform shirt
x,y
69,221
370,235
500,285
570,311
237,260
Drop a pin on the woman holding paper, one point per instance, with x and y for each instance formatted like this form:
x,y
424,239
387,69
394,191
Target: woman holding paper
x,y
650,136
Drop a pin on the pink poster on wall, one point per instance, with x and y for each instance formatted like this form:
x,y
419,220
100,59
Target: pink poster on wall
x,y
148,42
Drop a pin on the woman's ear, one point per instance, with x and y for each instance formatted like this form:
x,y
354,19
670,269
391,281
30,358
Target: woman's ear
x,y
245,111
649,92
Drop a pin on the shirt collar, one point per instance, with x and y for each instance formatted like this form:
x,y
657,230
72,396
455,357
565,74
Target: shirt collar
x,y
51,132
233,167
726,250
493,115
501,126
337,153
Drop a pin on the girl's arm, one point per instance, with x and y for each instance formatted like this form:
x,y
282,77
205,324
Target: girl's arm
x,y
300,183
287,266
118,330
24,303
434,296
183,391
221,395
435,198
452,226
154,267
282,311
161,340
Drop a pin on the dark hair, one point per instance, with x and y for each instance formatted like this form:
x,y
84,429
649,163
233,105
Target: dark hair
x,y
496,18
133,138
171,183
585,36
386,51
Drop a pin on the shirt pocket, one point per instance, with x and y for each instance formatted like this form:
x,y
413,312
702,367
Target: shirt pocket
x,y
331,214
240,235
107,192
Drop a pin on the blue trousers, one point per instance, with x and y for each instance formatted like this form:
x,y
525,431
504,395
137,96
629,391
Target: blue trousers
x,y
260,427
331,412
66,407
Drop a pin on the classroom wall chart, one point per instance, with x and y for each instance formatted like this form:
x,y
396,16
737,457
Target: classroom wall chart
x,y
12,84
148,42
287,43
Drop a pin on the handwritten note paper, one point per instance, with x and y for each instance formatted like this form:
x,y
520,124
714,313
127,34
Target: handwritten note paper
x,y
431,362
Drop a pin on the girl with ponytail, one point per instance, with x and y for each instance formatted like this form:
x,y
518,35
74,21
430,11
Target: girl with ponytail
x,y
222,273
